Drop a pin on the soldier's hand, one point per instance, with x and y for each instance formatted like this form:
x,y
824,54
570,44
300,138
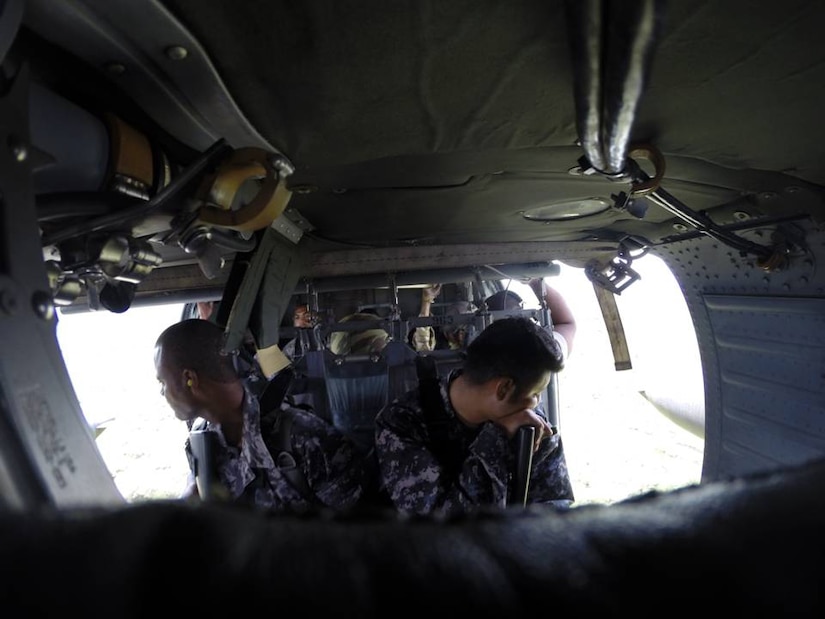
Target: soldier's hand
x,y
527,417
430,293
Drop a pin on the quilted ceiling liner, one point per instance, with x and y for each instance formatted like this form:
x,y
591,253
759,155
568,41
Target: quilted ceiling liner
x,y
736,83
439,123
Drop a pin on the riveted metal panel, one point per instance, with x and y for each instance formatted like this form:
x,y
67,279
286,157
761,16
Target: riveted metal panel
x,y
761,337
771,357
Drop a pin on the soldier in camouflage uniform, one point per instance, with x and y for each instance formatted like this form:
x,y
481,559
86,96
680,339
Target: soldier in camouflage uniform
x,y
465,458
198,380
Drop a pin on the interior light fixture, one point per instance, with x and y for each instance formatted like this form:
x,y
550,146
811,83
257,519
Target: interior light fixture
x,y
567,210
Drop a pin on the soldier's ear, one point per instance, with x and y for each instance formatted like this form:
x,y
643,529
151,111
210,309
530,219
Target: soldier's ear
x,y
504,386
190,379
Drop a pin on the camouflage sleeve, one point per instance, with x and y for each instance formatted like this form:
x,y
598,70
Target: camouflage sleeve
x,y
549,478
333,465
417,481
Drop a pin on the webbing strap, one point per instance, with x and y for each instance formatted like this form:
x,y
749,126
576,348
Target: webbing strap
x,y
277,389
281,450
615,330
435,415
316,382
276,424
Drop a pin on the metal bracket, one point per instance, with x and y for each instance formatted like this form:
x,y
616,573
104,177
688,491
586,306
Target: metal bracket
x,y
615,277
768,258
618,274
221,191
646,187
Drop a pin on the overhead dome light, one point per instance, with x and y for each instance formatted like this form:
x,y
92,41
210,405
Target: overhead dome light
x,y
567,210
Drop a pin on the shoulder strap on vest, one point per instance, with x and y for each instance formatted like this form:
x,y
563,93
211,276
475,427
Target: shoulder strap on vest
x,y
429,390
277,389
280,447
435,415
278,439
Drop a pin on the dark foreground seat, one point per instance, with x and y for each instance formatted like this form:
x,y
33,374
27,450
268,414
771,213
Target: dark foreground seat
x,y
753,545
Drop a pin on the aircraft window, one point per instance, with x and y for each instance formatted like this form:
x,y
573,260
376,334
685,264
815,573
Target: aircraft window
x,y
110,360
617,443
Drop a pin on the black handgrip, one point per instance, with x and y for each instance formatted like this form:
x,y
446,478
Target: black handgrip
x,y
524,462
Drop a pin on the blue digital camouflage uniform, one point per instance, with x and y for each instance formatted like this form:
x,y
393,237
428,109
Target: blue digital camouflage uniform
x,y
331,463
416,481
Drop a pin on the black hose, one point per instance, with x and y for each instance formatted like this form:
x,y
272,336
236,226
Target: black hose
x,y
632,28
66,205
215,152
585,28
612,46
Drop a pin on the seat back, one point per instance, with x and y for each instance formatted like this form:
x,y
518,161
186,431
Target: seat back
x,y
356,390
349,390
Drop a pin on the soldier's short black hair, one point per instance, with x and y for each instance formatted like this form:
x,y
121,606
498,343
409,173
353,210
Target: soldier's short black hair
x,y
197,345
515,347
